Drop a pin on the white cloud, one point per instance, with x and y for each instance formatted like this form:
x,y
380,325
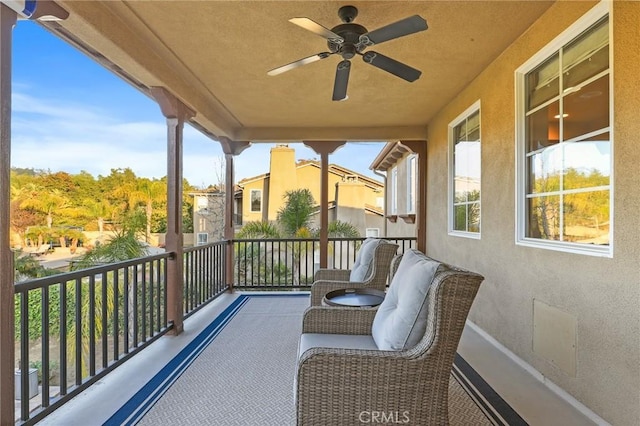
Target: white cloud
x,y
57,135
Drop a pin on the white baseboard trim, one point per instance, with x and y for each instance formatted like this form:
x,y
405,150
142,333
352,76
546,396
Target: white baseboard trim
x,y
586,411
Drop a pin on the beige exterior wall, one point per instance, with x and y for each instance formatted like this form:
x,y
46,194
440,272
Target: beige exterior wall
x,y
286,175
600,295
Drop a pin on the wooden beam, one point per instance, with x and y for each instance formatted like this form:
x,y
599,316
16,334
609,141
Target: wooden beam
x,y
230,149
420,148
7,309
176,113
324,148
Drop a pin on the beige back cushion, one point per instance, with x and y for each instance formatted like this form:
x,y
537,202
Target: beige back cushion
x,y
363,265
401,319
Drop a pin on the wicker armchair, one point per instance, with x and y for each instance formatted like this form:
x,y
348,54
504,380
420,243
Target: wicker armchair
x,y
340,385
326,280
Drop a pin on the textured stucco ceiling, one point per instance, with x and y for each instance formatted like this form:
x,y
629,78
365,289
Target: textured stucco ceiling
x,y
215,55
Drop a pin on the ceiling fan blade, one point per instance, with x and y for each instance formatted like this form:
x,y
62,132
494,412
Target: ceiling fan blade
x,y
316,28
299,63
392,66
342,80
410,25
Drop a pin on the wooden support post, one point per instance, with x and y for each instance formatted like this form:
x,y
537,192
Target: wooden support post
x,y
176,113
230,149
7,307
420,148
324,148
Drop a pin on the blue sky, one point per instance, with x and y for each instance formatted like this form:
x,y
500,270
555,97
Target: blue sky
x,y
71,114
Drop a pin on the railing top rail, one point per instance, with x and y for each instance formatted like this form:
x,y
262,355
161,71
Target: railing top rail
x,y
249,240
68,276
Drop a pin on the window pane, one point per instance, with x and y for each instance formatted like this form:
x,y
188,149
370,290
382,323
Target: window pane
x,y
587,163
544,217
543,82
473,127
460,218
587,55
587,110
586,217
460,131
473,221
544,171
543,127
256,198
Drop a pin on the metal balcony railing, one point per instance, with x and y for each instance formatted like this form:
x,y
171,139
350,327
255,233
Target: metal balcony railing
x,y
204,275
85,323
74,328
291,263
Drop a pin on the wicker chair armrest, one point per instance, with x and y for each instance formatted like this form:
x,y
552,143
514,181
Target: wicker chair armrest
x,y
322,287
332,275
337,320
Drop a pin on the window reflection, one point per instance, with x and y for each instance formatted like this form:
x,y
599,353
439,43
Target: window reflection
x,y
586,217
544,217
543,82
587,110
543,127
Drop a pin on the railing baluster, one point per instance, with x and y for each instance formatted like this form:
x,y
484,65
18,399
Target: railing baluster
x,y
159,297
45,346
151,299
63,338
105,301
127,297
116,317
135,307
92,325
24,355
78,331
143,304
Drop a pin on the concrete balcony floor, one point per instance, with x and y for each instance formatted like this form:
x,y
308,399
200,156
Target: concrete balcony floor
x,y
526,394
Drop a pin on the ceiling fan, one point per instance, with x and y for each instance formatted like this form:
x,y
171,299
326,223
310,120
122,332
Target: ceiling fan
x,y
349,39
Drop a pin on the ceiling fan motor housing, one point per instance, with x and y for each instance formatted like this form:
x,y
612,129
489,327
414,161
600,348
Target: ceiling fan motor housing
x,y
351,45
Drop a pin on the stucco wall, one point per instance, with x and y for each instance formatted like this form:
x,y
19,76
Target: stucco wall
x,y
601,293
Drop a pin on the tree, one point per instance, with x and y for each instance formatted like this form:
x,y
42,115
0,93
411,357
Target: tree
x,y
147,192
297,211
99,210
340,229
45,201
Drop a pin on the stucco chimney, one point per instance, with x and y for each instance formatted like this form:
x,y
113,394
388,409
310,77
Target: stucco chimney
x,y
282,177
350,201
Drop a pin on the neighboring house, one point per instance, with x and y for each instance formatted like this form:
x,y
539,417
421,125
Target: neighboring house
x,y
208,216
353,197
400,199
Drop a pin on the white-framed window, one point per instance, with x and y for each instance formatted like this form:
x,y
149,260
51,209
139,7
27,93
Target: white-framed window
x,y
202,238
564,141
372,232
393,191
464,173
256,200
411,183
